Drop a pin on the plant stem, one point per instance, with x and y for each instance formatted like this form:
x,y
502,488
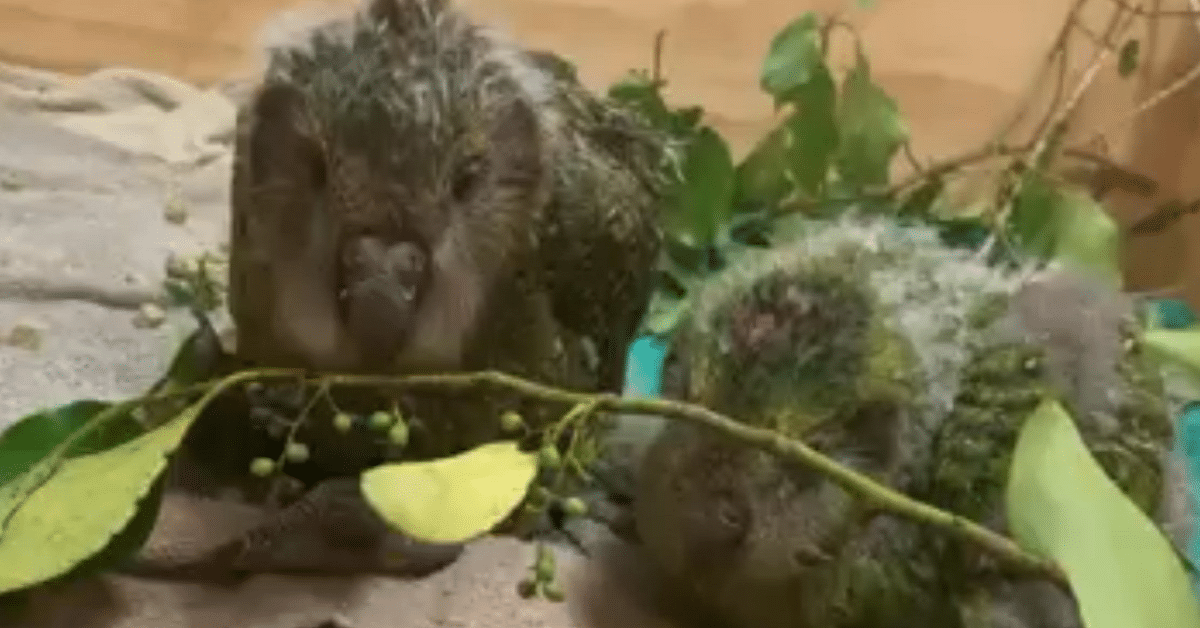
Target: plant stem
x,y
875,494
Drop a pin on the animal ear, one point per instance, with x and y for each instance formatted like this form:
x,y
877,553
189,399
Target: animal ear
x,y
517,144
282,143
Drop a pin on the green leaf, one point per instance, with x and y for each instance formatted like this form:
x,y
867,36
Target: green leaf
x,y
793,58
1181,346
1031,221
1086,237
1067,226
705,199
871,129
66,510
197,359
200,357
453,499
813,132
664,313
761,180
33,437
638,91
1061,505
1131,54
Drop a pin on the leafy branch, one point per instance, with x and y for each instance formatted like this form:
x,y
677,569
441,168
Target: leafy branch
x,y
583,407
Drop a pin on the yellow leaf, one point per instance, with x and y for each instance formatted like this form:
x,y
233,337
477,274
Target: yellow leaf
x,y
63,511
1177,345
453,499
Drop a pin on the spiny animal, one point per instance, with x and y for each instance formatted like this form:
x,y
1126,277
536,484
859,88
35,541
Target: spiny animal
x,y
406,122
911,363
413,193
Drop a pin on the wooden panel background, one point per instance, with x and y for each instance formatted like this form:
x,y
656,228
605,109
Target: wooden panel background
x,y
956,66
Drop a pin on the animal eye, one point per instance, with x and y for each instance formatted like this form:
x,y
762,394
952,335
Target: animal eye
x,y
467,177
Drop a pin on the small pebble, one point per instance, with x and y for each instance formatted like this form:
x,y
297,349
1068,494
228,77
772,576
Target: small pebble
x,y
10,182
175,213
26,335
178,266
149,316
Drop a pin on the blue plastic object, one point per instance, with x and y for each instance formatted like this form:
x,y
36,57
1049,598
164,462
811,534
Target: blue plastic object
x,y
1175,314
643,367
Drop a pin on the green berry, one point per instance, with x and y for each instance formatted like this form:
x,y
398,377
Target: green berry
x,y
511,421
549,457
398,435
527,589
382,421
296,452
574,507
342,422
541,494
552,592
262,467
544,567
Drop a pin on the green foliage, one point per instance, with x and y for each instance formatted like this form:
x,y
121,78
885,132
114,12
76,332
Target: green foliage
x,y
832,152
794,58
1064,224
707,200
54,518
1061,505
812,132
871,130
1180,346
33,437
452,499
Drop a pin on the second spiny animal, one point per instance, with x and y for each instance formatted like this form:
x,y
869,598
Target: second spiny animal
x,y
914,364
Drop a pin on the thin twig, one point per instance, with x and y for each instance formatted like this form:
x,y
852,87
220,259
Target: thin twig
x,y
1056,114
1137,10
1057,49
1153,101
1157,98
874,494
656,61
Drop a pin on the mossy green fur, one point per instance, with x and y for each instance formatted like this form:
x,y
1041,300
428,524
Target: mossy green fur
x,y
923,328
